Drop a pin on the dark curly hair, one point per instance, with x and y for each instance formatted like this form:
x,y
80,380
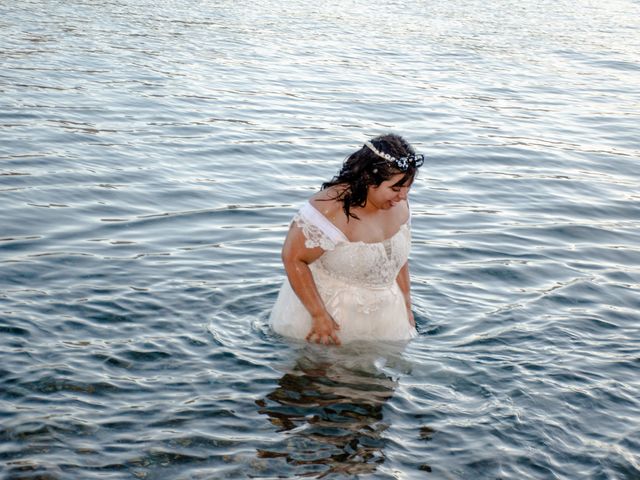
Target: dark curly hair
x,y
364,168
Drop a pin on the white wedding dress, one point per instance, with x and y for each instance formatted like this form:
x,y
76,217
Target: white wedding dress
x,y
356,280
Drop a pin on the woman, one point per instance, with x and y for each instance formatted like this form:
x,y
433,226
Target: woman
x,y
346,252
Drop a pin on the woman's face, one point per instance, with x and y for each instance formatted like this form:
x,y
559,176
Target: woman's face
x,y
388,193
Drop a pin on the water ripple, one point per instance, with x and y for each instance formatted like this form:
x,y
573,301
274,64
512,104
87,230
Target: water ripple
x,y
152,156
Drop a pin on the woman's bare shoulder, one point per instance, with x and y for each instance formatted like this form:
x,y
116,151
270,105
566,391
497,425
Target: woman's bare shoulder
x,y
326,202
404,212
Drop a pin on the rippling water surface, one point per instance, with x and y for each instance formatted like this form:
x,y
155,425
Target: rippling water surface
x,y
151,156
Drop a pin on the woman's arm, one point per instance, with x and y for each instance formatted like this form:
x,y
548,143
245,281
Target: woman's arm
x,y
296,258
404,282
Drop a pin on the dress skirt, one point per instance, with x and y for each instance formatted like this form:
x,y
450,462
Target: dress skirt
x,y
369,313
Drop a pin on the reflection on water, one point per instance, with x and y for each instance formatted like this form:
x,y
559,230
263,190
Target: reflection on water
x,y
152,155
330,407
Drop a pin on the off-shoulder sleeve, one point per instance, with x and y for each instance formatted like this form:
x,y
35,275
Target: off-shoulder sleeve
x,y
317,229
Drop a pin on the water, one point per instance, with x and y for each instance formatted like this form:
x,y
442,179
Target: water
x,y
152,155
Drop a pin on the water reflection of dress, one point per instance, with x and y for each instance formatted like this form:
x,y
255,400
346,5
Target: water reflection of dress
x,y
328,411
356,280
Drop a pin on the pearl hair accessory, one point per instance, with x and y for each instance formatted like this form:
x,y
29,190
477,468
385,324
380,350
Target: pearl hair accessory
x,y
386,156
402,163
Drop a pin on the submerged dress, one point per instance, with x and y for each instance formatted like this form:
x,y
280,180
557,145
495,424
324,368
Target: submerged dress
x,y
356,281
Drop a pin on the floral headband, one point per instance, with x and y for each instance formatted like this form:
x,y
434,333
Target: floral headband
x,y
402,163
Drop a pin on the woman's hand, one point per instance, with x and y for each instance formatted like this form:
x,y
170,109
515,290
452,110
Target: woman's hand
x,y
405,287
324,330
412,320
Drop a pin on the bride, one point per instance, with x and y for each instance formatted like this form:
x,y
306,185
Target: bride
x,y
346,252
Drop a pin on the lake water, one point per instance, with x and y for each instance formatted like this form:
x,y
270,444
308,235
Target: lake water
x,y
152,155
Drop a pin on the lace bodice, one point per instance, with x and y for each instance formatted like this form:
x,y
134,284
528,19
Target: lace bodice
x,y
363,264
